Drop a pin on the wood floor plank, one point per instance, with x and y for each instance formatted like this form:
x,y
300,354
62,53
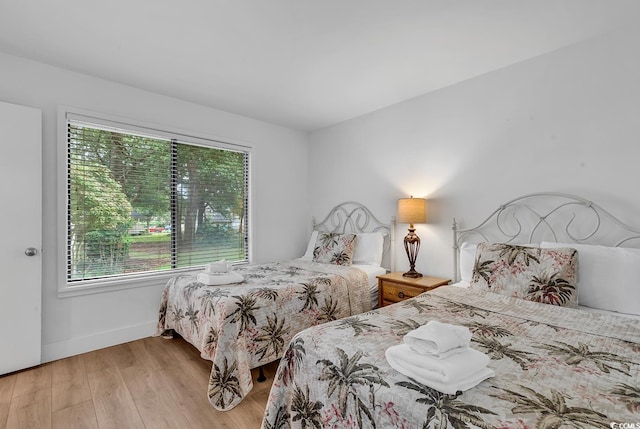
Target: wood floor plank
x,y
112,401
149,383
78,416
143,356
159,351
189,396
70,385
7,383
98,360
32,380
198,370
150,393
124,355
30,410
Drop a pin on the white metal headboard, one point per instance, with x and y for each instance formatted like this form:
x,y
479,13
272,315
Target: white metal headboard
x,y
351,217
547,216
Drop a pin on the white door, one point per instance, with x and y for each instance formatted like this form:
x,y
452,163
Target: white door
x,y
20,237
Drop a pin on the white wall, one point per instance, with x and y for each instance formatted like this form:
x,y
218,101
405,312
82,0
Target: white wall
x,y
568,121
280,221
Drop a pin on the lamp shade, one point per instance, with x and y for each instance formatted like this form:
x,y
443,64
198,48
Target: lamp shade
x,y
412,210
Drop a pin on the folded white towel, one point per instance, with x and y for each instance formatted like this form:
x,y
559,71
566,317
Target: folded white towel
x,y
220,278
438,339
454,368
424,376
221,266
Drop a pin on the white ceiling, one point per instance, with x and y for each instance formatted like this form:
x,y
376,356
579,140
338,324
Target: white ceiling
x,y
304,64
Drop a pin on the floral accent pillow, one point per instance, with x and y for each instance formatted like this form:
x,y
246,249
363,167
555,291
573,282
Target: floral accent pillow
x,y
548,276
333,248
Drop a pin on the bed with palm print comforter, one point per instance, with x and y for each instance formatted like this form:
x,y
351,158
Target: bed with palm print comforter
x,y
555,367
243,326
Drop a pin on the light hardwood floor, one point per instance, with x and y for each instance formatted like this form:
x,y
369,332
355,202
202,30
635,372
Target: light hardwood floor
x,y
149,383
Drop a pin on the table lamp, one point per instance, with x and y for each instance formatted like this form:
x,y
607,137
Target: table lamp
x,y
412,210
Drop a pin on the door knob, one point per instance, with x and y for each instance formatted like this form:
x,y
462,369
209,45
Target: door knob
x,y
31,251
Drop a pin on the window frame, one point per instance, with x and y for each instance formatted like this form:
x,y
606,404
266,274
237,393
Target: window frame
x,y
83,287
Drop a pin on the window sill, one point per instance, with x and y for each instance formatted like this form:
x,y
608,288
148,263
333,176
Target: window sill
x,y
111,285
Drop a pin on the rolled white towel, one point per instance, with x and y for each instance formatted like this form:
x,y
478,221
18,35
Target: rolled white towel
x,y
456,367
221,266
438,339
424,376
220,278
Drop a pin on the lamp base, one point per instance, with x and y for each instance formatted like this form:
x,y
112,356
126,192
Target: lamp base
x,y
412,245
412,273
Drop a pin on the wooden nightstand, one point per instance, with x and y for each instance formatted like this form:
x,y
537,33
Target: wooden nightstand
x,y
393,287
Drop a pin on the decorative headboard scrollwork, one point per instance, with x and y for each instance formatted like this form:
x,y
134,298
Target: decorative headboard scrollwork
x,y
548,216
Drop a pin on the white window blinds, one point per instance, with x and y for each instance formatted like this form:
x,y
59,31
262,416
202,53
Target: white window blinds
x,y
143,201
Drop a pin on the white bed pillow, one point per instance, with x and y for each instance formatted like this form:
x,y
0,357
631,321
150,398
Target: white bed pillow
x,y
467,260
607,276
369,248
308,254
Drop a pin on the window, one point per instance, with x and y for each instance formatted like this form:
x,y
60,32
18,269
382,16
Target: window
x,y
142,201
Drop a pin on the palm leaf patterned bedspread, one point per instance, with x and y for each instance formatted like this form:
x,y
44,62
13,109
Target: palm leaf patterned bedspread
x,y
555,367
243,326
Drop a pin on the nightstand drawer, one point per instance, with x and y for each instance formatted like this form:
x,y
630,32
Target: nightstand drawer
x,y
395,292
394,287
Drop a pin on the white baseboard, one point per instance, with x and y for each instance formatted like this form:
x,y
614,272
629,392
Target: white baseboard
x,y
100,340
